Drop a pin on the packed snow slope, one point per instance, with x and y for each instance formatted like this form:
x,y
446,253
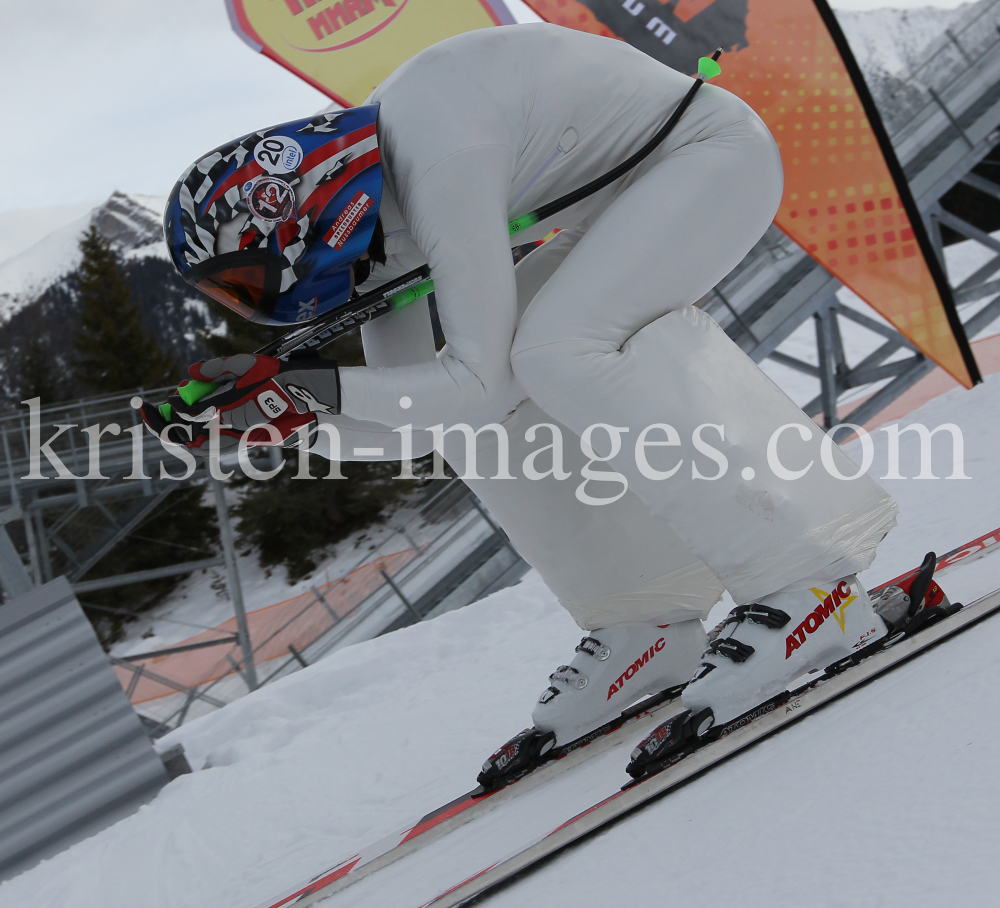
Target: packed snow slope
x,y
884,798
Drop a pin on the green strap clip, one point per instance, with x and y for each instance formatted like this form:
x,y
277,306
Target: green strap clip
x,y
708,68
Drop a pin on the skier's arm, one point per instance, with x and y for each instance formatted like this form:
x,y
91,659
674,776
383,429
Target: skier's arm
x,y
457,215
401,338
369,441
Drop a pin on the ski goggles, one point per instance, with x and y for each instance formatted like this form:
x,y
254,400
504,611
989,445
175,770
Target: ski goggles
x,y
246,281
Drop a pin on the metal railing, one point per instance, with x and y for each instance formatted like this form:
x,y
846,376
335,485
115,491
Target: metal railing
x,y
445,555
454,554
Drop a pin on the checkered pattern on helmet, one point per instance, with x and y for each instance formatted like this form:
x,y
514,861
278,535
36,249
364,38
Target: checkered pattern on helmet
x,y
197,184
324,122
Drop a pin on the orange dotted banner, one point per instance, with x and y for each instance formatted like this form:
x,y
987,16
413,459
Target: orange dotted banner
x,y
841,203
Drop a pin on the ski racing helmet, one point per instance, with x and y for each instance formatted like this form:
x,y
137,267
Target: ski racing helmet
x,y
271,224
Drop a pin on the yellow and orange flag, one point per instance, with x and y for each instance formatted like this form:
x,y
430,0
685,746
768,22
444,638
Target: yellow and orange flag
x,y
846,200
347,47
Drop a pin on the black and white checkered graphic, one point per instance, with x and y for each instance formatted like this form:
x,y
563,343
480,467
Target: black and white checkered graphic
x,y
198,183
324,122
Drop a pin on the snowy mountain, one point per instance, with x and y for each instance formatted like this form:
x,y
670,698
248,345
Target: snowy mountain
x,y
21,228
37,296
129,222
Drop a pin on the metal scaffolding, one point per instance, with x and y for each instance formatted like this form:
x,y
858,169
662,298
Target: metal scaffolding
x,y
86,481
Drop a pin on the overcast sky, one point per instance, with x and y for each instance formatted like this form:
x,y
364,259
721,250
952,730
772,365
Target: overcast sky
x,y
98,95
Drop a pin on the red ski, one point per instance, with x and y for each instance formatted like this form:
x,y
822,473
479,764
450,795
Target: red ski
x,y
437,823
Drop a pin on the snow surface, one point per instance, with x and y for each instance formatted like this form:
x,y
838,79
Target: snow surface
x,y
885,798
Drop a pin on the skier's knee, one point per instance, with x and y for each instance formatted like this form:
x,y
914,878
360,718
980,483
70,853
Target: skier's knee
x,y
540,368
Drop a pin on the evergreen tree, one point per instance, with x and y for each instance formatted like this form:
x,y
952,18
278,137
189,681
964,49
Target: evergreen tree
x,y
38,374
116,352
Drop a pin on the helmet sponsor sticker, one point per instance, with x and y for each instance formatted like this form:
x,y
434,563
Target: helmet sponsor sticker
x,y
278,154
307,310
270,199
347,220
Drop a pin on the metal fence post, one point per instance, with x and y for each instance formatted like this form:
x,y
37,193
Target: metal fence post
x,y
233,582
395,588
497,529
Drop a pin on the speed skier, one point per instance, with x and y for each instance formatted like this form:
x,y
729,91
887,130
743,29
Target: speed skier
x,y
596,328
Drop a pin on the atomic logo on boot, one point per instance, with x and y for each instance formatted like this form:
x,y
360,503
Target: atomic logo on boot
x,y
832,603
635,666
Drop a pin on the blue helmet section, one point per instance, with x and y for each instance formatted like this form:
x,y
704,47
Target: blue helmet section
x,y
271,223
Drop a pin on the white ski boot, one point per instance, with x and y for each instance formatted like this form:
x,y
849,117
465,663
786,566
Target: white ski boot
x,y
613,667
761,648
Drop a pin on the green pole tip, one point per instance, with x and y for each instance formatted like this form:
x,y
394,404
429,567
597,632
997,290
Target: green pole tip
x,y
522,223
193,390
708,68
411,294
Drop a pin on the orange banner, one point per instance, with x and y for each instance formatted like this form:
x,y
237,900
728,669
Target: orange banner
x,y
347,47
846,201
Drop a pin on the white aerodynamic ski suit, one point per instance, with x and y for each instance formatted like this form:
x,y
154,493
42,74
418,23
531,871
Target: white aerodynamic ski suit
x,y
596,326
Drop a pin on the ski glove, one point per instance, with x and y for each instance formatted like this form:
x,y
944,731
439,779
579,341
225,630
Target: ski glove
x,y
250,393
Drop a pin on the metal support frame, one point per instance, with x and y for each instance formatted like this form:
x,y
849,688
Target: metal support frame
x,y
13,577
120,528
166,682
298,656
949,115
233,582
71,523
170,570
498,531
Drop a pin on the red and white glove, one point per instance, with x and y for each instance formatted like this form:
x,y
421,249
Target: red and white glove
x,y
253,392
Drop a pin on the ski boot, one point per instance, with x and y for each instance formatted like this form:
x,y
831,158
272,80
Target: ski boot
x,y
612,669
761,648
